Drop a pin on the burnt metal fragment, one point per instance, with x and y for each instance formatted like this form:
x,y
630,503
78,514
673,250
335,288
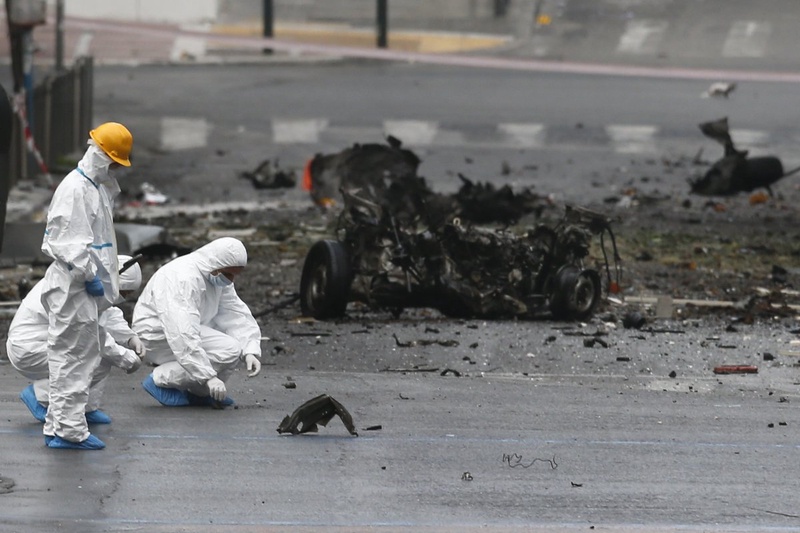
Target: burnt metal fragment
x,y
387,174
634,319
735,172
314,412
269,175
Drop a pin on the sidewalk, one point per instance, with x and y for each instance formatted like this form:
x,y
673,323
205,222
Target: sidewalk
x,y
131,43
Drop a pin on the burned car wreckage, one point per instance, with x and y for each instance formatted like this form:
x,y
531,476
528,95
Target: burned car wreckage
x,y
398,246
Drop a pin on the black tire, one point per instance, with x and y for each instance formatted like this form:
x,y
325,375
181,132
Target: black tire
x,y
574,293
325,282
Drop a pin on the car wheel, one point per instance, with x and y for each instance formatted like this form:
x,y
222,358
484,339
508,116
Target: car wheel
x,y
325,282
575,293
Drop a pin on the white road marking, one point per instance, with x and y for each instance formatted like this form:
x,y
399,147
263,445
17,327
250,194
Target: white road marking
x,y
642,37
412,132
297,131
524,135
747,38
184,133
629,139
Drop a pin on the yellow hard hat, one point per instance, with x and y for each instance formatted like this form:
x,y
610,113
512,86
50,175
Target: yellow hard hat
x,y
115,140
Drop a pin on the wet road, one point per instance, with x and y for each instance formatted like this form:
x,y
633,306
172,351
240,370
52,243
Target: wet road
x,y
552,434
202,125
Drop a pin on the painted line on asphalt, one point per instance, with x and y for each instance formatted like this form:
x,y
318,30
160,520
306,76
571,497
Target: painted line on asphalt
x,y
642,37
747,38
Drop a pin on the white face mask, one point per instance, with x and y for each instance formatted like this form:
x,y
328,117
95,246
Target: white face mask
x,y
219,280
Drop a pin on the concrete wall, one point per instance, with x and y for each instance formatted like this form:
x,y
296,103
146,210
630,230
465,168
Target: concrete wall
x,y
178,11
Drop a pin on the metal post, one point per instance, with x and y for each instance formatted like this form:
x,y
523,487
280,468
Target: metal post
x,y
383,18
59,35
268,23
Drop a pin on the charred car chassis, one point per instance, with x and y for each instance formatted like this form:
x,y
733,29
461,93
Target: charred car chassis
x,y
391,263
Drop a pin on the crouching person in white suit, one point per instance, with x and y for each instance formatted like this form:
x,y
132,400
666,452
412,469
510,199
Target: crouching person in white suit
x,y
27,347
196,328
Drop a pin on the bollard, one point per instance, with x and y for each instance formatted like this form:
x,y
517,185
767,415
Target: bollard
x,y
383,22
268,21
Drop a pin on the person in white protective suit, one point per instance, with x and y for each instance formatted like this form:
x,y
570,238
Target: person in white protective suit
x,y
196,328
27,347
81,282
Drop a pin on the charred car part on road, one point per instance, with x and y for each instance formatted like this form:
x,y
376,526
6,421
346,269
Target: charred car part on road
x,y
387,173
393,263
735,172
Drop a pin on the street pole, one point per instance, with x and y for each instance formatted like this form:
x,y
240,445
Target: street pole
x,y
59,35
383,22
268,23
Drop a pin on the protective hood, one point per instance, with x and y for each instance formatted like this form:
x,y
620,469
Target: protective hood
x,y
95,163
220,253
131,279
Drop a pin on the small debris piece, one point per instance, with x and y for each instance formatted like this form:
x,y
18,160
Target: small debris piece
x,y
373,428
591,341
634,319
446,371
466,476
290,385
720,89
576,484
6,484
736,369
149,195
268,175
673,374
315,411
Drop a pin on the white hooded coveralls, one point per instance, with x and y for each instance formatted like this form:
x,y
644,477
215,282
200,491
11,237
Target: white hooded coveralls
x,y
193,329
27,341
79,237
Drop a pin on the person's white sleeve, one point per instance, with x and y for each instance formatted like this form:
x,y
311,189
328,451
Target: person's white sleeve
x,y
179,309
117,355
68,232
113,321
236,319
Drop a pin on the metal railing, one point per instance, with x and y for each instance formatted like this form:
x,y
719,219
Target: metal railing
x,y
62,114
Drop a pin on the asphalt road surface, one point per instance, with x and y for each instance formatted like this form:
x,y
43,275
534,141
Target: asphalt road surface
x,y
532,433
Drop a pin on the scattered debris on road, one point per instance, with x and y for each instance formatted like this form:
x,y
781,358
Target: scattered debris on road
x,y
720,89
269,175
314,412
736,369
387,174
735,172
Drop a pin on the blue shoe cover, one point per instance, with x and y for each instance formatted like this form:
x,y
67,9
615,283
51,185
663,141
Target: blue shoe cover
x,y
47,439
97,417
91,443
165,396
208,401
28,397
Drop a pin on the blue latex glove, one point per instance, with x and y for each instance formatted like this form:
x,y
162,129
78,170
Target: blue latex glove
x,y
94,287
